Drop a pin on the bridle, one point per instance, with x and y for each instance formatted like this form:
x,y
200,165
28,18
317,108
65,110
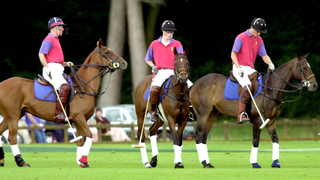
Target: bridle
x,y
305,82
112,65
181,70
177,75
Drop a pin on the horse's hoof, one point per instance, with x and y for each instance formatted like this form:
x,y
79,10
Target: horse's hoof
x,y
1,162
276,164
208,166
179,165
19,161
154,161
147,165
83,165
205,165
84,162
26,165
255,165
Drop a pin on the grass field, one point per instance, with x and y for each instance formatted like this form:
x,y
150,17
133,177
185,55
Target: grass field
x,y
299,160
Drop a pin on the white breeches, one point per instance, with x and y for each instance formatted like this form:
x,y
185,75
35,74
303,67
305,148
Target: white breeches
x,y
56,75
162,75
247,70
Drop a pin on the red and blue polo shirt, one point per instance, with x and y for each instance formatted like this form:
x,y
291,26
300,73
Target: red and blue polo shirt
x,y
248,48
52,49
162,55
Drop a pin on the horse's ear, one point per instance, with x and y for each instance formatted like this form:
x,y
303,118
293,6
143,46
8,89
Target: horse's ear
x,y
186,52
99,43
298,56
175,51
305,56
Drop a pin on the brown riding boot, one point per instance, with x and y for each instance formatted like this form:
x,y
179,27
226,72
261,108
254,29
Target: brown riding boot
x,y
63,94
244,99
154,99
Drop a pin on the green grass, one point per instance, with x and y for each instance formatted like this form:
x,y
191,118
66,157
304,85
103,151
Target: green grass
x,y
120,161
244,132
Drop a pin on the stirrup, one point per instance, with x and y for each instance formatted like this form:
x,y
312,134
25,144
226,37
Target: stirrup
x,y
191,116
154,114
58,119
240,118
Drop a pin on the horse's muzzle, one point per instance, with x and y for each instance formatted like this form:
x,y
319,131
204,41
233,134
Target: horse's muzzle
x,y
313,86
183,80
123,65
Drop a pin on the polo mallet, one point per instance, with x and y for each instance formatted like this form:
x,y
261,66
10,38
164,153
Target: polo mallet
x,y
264,123
144,120
145,115
65,114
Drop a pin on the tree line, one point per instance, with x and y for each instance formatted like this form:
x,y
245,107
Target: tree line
x,y
207,29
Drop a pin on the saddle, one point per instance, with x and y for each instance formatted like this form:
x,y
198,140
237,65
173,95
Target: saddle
x,y
41,80
253,78
164,89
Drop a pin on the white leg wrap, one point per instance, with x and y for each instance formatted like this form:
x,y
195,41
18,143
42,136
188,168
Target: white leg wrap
x,y
254,155
275,151
87,145
177,153
79,153
15,149
153,141
144,155
203,152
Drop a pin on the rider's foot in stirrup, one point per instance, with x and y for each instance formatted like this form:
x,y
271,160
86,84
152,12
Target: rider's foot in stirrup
x,y
242,118
62,119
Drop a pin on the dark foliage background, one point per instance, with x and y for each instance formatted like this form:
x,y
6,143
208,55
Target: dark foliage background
x,y
207,28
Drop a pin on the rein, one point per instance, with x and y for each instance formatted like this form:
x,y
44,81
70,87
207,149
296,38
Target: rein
x,y
298,86
109,68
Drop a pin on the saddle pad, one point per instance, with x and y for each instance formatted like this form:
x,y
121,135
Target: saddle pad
x,y
146,95
41,91
231,89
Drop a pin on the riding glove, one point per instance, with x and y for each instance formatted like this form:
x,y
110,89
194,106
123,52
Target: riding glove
x,y
240,71
271,66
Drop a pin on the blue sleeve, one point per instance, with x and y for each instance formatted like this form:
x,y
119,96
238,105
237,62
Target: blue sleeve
x,y
180,49
149,55
237,45
262,50
45,47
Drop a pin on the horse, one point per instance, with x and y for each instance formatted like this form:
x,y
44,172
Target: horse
x,y
17,97
175,107
208,101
